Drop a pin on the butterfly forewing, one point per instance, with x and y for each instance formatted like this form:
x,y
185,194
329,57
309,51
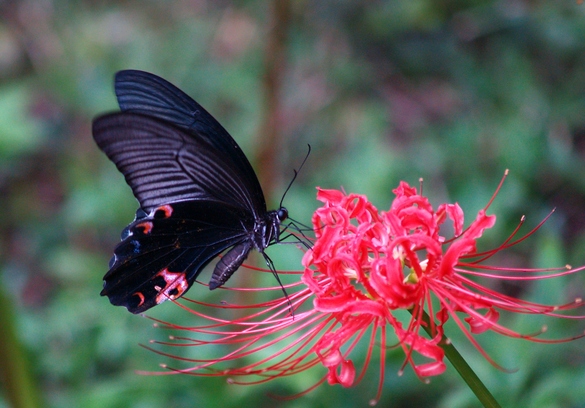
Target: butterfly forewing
x,y
164,164
150,95
141,92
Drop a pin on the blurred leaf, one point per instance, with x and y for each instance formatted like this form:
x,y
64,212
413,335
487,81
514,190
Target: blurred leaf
x,y
19,132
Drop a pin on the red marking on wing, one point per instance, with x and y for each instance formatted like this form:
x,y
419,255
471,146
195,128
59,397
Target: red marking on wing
x,y
166,209
146,227
175,285
141,296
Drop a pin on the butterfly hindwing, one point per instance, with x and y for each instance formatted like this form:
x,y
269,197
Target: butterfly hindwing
x,y
163,253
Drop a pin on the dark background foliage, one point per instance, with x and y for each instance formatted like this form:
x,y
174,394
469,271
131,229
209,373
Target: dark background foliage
x,y
452,91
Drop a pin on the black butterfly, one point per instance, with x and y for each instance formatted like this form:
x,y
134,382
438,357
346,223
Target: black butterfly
x,y
197,191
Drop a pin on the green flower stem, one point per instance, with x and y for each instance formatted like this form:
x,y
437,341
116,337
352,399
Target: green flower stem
x,y
15,375
464,370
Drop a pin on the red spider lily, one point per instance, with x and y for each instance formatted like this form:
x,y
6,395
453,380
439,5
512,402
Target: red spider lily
x,y
364,267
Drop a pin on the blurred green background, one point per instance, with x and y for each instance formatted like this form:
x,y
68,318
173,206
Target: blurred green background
x,y
452,91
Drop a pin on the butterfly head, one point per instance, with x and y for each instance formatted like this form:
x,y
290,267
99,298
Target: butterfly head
x,y
282,214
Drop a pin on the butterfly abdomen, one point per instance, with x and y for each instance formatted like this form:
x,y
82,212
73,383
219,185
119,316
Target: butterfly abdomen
x,y
229,263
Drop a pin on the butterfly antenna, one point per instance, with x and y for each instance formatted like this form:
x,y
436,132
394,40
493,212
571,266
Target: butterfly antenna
x,y
295,175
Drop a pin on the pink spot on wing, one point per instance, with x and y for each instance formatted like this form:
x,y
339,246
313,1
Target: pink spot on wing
x,y
175,285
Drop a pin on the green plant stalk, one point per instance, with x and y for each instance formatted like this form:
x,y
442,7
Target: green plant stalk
x,y
464,370
19,386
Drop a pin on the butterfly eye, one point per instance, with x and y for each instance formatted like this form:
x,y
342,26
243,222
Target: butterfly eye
x,y
282,214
